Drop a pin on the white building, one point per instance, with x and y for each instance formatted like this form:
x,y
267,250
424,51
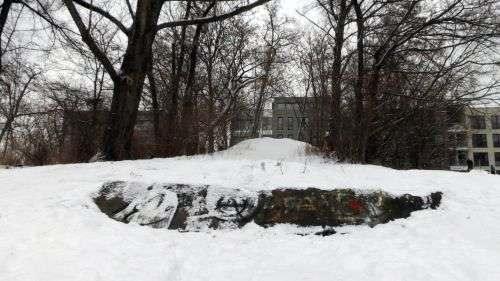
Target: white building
x,y
478,139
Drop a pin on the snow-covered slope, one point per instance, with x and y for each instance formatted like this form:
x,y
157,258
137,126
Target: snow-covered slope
x,y
267,148
50,230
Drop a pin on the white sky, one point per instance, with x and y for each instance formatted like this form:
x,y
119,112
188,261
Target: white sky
x,y
289,6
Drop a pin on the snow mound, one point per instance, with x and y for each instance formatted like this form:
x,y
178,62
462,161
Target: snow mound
x,y
51,230
267,148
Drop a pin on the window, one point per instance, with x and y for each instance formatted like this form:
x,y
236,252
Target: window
x,y
481,159
304,122
457,140
479,140
461,140
267,124
496,140
477,122
290,123
280,136
280,123
280,106
495,122
497,158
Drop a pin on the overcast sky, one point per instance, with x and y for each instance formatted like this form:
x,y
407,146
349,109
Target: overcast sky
x,y
289,6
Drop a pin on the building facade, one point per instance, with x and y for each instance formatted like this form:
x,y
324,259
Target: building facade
x,y
241,127
477,139
83,131
300,118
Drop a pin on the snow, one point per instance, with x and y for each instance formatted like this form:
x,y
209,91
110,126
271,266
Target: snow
x,y
266,148
50,230
153,205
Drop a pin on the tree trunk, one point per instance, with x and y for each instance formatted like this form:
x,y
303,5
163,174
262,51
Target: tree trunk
x,y
177,68
259,107
189,138
5,129
156,111
370,139
4,13
211,109
129,85
335,115
189,128
359,125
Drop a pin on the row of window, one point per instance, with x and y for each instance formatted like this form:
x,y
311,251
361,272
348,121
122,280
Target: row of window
x,y
288,107
280,136
290,123
478,122
479,140
458,140
481,159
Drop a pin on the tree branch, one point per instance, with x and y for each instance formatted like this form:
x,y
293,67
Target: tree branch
x,y
216,18
130,10
87,39
104,14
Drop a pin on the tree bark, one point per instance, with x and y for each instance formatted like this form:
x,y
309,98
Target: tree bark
x,y
358,87
4,13
127,91
188,123
175,80
259,107
336,80
370,141
156,110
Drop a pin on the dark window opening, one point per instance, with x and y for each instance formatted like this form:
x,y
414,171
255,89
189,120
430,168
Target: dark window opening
x,y
481,159
479,140
280,123
290,123
477,122
496,140
497,158
495,122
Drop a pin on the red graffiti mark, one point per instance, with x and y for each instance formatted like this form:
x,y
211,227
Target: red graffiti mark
x,y
356,206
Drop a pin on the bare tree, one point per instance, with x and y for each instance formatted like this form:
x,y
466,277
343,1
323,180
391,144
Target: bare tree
x,y
136,62
15,85
408,61
276,38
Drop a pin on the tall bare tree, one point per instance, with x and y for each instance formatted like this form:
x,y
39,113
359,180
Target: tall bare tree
x,y
136,63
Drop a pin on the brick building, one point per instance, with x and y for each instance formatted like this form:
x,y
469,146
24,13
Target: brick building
x,y
83,133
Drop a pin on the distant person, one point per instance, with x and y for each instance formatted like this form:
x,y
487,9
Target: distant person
x,y
470,165
493,170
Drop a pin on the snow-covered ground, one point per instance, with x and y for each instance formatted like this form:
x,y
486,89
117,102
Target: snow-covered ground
x,y
50,230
